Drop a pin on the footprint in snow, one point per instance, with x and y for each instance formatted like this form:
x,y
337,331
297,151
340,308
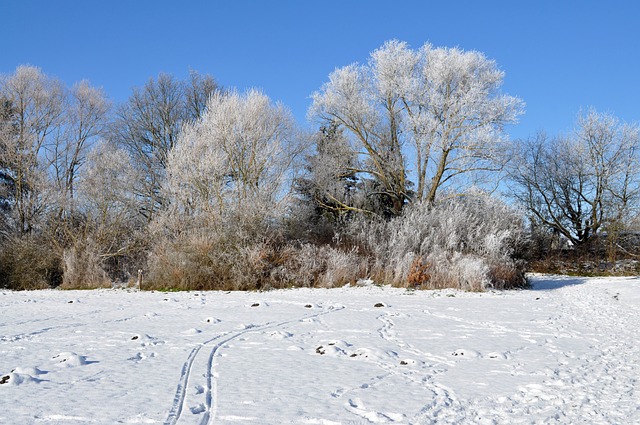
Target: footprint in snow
x,y
70,359
357,407
245,326
196,410
497,356
138,357
466,354
280,334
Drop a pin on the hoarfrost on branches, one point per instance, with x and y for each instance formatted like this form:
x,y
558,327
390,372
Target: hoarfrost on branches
x,y
441,106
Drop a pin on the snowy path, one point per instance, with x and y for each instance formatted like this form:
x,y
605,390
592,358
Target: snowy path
x,y
565,352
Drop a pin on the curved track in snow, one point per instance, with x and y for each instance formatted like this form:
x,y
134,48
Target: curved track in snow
x,y
208,409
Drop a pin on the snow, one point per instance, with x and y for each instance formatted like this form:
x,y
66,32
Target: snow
x,y
565,351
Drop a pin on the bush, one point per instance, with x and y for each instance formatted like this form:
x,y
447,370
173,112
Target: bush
x,y
30,262
82,266
324,266
224,260
470,242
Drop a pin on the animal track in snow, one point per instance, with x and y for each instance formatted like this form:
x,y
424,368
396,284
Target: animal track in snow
x,y
142,356
466,354
357,407
69,359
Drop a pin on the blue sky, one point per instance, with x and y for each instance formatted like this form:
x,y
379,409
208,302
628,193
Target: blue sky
x,y
558,56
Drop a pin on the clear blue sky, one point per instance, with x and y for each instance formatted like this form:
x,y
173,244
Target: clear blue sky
x,y
558,56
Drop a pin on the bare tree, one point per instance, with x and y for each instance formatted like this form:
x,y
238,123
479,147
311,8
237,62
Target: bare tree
x,y
149,123
578,185
440,106
84,120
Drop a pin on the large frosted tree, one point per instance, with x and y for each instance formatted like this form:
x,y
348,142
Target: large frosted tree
x,y
438,108
228,180
33,105
236,159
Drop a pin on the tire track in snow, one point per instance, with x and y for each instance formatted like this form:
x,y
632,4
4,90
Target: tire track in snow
x,y
210,408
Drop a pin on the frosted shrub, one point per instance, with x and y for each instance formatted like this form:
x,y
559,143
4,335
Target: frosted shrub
x,y
469,242
342,267
462,271
204,256
82,266
220,261
319,266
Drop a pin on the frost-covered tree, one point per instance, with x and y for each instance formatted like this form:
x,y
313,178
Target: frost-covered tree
x,y
8,129
33,111
84,121
229,177
109,243
149,123
580,184
236,157
46,132
440,106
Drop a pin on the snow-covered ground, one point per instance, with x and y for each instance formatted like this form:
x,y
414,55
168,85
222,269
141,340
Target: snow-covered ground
x,y
565,352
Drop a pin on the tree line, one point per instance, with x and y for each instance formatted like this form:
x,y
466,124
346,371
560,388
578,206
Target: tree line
x,y
203,187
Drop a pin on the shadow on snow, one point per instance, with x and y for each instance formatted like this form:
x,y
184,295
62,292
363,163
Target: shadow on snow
x,y
549,283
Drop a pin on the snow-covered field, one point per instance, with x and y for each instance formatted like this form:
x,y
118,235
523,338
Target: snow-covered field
x,y
565,352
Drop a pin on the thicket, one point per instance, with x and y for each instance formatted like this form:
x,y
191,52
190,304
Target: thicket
x,y
191,186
